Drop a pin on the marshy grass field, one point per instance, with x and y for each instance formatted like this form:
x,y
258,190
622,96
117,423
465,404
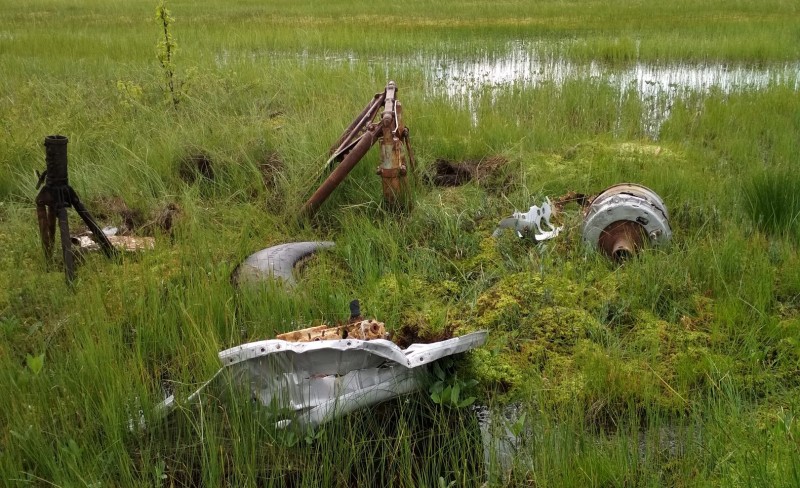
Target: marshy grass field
x,y
679,368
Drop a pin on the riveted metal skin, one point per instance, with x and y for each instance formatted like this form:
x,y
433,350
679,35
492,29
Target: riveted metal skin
x,y
325,379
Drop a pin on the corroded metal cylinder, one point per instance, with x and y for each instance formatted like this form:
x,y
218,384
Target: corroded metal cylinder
x,y
623,218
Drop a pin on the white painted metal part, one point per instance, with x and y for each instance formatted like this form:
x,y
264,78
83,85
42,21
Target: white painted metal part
x,y
533,219
632,202
322,380
276,262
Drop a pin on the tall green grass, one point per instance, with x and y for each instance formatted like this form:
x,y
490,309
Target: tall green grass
x,y
772,200
678,368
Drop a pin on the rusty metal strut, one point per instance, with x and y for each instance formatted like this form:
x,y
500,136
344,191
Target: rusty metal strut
x,y
358,138
52,202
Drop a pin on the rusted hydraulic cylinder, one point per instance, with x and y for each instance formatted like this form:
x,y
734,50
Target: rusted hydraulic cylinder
x,y
52,202
393,166
340,173
356,140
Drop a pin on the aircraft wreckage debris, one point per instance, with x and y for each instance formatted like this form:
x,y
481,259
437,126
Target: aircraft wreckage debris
x,y
618,222
276,262
122,243
321,373
52,202
623,218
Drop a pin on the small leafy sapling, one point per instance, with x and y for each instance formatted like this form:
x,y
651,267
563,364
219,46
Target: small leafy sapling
x,y
166,49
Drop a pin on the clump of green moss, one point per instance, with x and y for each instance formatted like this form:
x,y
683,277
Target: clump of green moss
x,y
788,345
563,335
418,310
614,378
518,295
781,357
494,370
695,368
533,321
488,256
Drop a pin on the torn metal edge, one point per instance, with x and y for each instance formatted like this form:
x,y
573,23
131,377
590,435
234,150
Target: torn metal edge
x,y
405,376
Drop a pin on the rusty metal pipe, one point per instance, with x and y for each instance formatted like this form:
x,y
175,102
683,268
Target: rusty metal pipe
x,y
349,139
356,140
621,240
364,118
393,168
340,173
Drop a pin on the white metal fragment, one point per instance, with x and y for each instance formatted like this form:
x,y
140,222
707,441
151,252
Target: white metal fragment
x,y
323,380
532,220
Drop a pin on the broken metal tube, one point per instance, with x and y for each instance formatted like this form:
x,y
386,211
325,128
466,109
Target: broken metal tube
x,y
340,173
55,148
359,122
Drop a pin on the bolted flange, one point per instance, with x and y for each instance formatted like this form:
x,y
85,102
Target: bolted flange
x,y
623,218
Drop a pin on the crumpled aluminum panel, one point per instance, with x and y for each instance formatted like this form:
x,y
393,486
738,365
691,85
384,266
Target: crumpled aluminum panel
x,y
322,380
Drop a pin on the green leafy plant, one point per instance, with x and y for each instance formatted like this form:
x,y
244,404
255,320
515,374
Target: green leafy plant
x,y
291,437
129,93
518,426
166,50
160,472
443,483
448,389
35,363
